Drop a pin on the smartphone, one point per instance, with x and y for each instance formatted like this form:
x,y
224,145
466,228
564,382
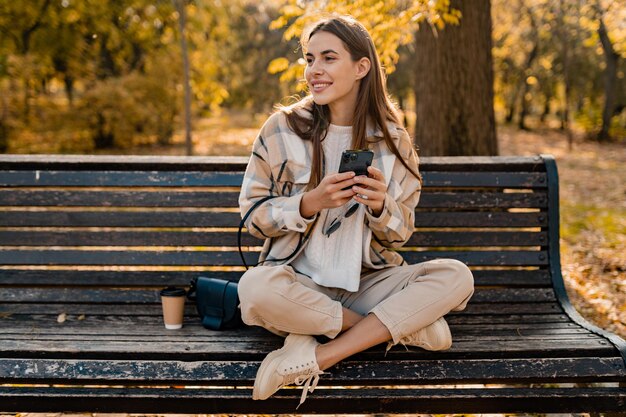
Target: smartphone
x,y
356,160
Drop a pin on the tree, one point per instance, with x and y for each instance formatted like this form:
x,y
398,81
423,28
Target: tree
x,y
612,59
182,23
454,85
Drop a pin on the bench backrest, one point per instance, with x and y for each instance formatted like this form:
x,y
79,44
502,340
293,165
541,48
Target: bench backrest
x,y
104,231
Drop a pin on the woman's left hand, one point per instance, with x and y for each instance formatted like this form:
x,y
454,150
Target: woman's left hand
x,y
371,190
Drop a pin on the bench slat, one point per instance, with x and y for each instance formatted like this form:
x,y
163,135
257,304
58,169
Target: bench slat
x,y
64,277
113,218
44,178
215,238
87,198
199,257
140,296
365,373
154,348
473,309
366,401
119,327
159,218
56,277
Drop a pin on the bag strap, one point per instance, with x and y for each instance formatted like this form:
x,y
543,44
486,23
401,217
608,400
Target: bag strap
x,y
243,222
303,237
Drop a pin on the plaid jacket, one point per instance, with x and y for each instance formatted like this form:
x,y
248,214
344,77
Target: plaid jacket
x,y
280,166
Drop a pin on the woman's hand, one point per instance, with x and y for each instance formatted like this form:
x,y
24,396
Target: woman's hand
x,y
371,190
328,194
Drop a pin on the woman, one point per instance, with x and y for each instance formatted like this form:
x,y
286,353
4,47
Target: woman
x,y
326,268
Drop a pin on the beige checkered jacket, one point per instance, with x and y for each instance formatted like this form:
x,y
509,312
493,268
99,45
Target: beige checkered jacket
x,y
280,165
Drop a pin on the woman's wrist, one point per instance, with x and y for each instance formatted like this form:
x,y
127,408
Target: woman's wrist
x,y
308,207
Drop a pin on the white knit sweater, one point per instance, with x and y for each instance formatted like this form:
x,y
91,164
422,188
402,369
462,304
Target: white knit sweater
x,y
335,260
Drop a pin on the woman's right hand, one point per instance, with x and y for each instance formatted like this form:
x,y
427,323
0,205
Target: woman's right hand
x,y
328,194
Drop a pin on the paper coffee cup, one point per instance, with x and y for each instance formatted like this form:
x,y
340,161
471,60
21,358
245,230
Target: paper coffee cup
x,y
173,301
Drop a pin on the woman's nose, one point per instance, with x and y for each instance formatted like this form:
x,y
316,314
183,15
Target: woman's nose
x,y
316,68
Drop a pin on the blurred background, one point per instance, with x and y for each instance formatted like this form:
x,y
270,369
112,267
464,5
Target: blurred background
x,y
472,77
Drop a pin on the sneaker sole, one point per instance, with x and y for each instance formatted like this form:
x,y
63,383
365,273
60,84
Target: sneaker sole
x,y
269,359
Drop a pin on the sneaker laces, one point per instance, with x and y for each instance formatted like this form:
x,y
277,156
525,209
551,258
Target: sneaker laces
x,y
390,344
310,381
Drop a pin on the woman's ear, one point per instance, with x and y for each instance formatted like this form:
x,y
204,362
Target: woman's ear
x,y
363,67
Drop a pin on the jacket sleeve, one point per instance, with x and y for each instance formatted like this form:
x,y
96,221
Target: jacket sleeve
x,y
396,222
279,215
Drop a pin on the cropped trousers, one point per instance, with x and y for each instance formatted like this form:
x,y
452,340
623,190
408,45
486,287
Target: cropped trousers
x,y
404,298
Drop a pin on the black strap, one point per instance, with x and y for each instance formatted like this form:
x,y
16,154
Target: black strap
x,y
242,223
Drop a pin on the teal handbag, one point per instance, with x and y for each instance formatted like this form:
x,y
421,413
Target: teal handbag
x,y
217,302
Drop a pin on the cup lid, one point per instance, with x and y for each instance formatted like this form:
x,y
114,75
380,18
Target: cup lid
x,y
173,292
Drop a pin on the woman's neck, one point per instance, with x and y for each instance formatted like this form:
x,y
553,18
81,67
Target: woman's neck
x,y
340,114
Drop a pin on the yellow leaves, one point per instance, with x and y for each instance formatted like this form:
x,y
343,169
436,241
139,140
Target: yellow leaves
x,y
532,80
391,23
278,65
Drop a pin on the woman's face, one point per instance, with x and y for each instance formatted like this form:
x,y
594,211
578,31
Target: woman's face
x,y
331,74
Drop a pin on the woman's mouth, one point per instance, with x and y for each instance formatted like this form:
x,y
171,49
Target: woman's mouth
x,y
319,86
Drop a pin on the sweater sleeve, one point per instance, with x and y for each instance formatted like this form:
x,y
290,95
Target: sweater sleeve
x,y
395,224
279,215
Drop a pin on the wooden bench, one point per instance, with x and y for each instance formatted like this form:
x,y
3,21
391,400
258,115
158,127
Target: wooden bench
x,y
87,242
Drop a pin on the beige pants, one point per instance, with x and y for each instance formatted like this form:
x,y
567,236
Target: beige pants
x,y
404,298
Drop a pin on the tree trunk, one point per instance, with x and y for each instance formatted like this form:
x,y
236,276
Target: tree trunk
x,y
526,86
454,85
546,107
182,18
610,82
565,58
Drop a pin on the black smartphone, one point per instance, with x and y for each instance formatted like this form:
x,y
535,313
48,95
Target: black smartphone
x,y
356,160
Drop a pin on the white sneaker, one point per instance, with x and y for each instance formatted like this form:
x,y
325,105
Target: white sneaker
x,y
436,336
295,363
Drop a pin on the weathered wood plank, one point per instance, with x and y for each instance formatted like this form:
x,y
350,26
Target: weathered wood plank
x,y
150,218
366,401
153,348
64,178
13,326
76,198
362,373
22,327
200,256
86,198
170,237
126,238
64,277
141,296
69,178
238,163
465,219
57,217
493,310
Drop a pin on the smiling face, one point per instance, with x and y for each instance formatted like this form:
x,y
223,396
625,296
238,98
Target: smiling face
x,y
333,77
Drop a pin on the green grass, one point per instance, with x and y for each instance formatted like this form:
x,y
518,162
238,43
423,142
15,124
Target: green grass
x,y
577,218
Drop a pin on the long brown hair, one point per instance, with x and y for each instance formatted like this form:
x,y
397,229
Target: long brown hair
x,y
373,102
